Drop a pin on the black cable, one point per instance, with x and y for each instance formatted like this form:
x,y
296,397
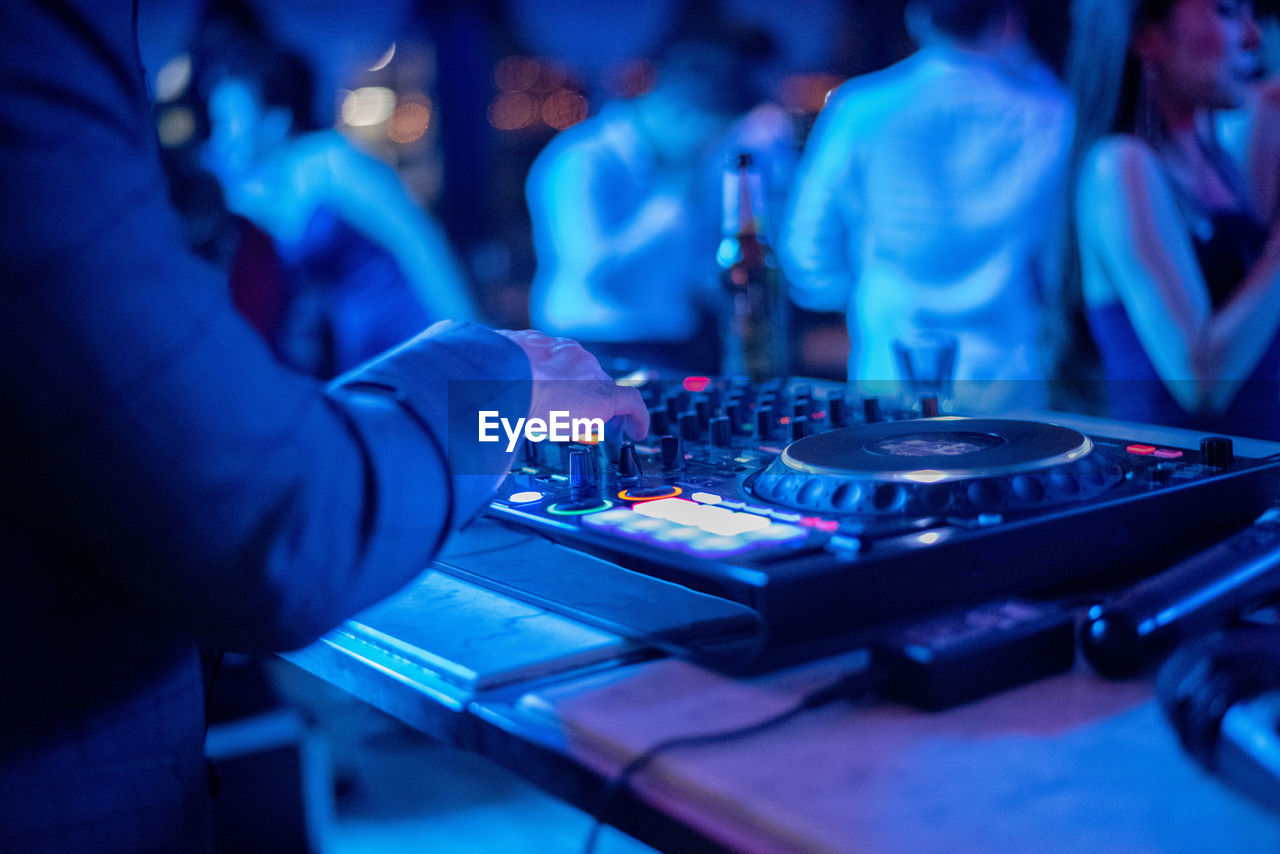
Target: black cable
x,y
525,540
849,686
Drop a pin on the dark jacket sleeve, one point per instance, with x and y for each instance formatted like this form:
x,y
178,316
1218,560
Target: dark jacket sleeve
x,y
145,431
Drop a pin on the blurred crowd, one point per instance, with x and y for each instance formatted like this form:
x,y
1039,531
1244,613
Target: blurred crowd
x,y
1082,227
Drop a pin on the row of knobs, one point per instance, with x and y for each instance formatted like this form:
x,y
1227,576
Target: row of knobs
x,y
692,424
1215,451
699,421
584,474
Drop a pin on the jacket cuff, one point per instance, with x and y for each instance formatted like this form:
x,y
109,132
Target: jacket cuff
x,y
443,379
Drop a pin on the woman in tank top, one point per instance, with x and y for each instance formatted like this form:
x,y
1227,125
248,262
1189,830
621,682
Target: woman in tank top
x,y
1174,260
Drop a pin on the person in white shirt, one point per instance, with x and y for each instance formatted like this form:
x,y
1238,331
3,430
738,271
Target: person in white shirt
x,y
626,212
925,203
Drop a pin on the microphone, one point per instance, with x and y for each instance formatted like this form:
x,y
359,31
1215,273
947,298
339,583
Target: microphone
x,y
1204,592
1222,696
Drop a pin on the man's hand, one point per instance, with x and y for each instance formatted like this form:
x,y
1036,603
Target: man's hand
x,y
567,378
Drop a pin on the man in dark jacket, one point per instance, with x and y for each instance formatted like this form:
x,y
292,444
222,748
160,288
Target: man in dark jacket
x,y
166,484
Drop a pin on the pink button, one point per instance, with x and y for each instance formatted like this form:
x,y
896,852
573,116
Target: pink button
x,y
696,384
1168,453
1144,450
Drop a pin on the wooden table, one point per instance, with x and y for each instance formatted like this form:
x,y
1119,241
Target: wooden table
x,y
1070,763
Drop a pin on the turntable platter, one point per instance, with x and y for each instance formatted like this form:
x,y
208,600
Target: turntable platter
x,y
937,449
961,467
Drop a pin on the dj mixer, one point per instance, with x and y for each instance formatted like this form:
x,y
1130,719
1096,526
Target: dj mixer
x,y
822,517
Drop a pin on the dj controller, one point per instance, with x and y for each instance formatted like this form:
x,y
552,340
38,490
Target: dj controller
x,y
819,518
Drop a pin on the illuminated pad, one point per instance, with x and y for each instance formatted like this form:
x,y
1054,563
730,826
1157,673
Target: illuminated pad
x,y
609,518
698,529
666,508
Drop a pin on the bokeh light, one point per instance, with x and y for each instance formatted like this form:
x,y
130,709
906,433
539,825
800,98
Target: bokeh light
x,y
564,108
512,111
533,91
173,78
385,60
410,120
368,106
176,127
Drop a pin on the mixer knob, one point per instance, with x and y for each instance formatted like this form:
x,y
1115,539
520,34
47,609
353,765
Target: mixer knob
x,y
1216,452
629,462
720,431
871,410
836,412
800,428
671,454
764,422
690,429
929,406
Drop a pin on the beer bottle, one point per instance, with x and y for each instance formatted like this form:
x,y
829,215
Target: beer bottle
x,y
756,341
